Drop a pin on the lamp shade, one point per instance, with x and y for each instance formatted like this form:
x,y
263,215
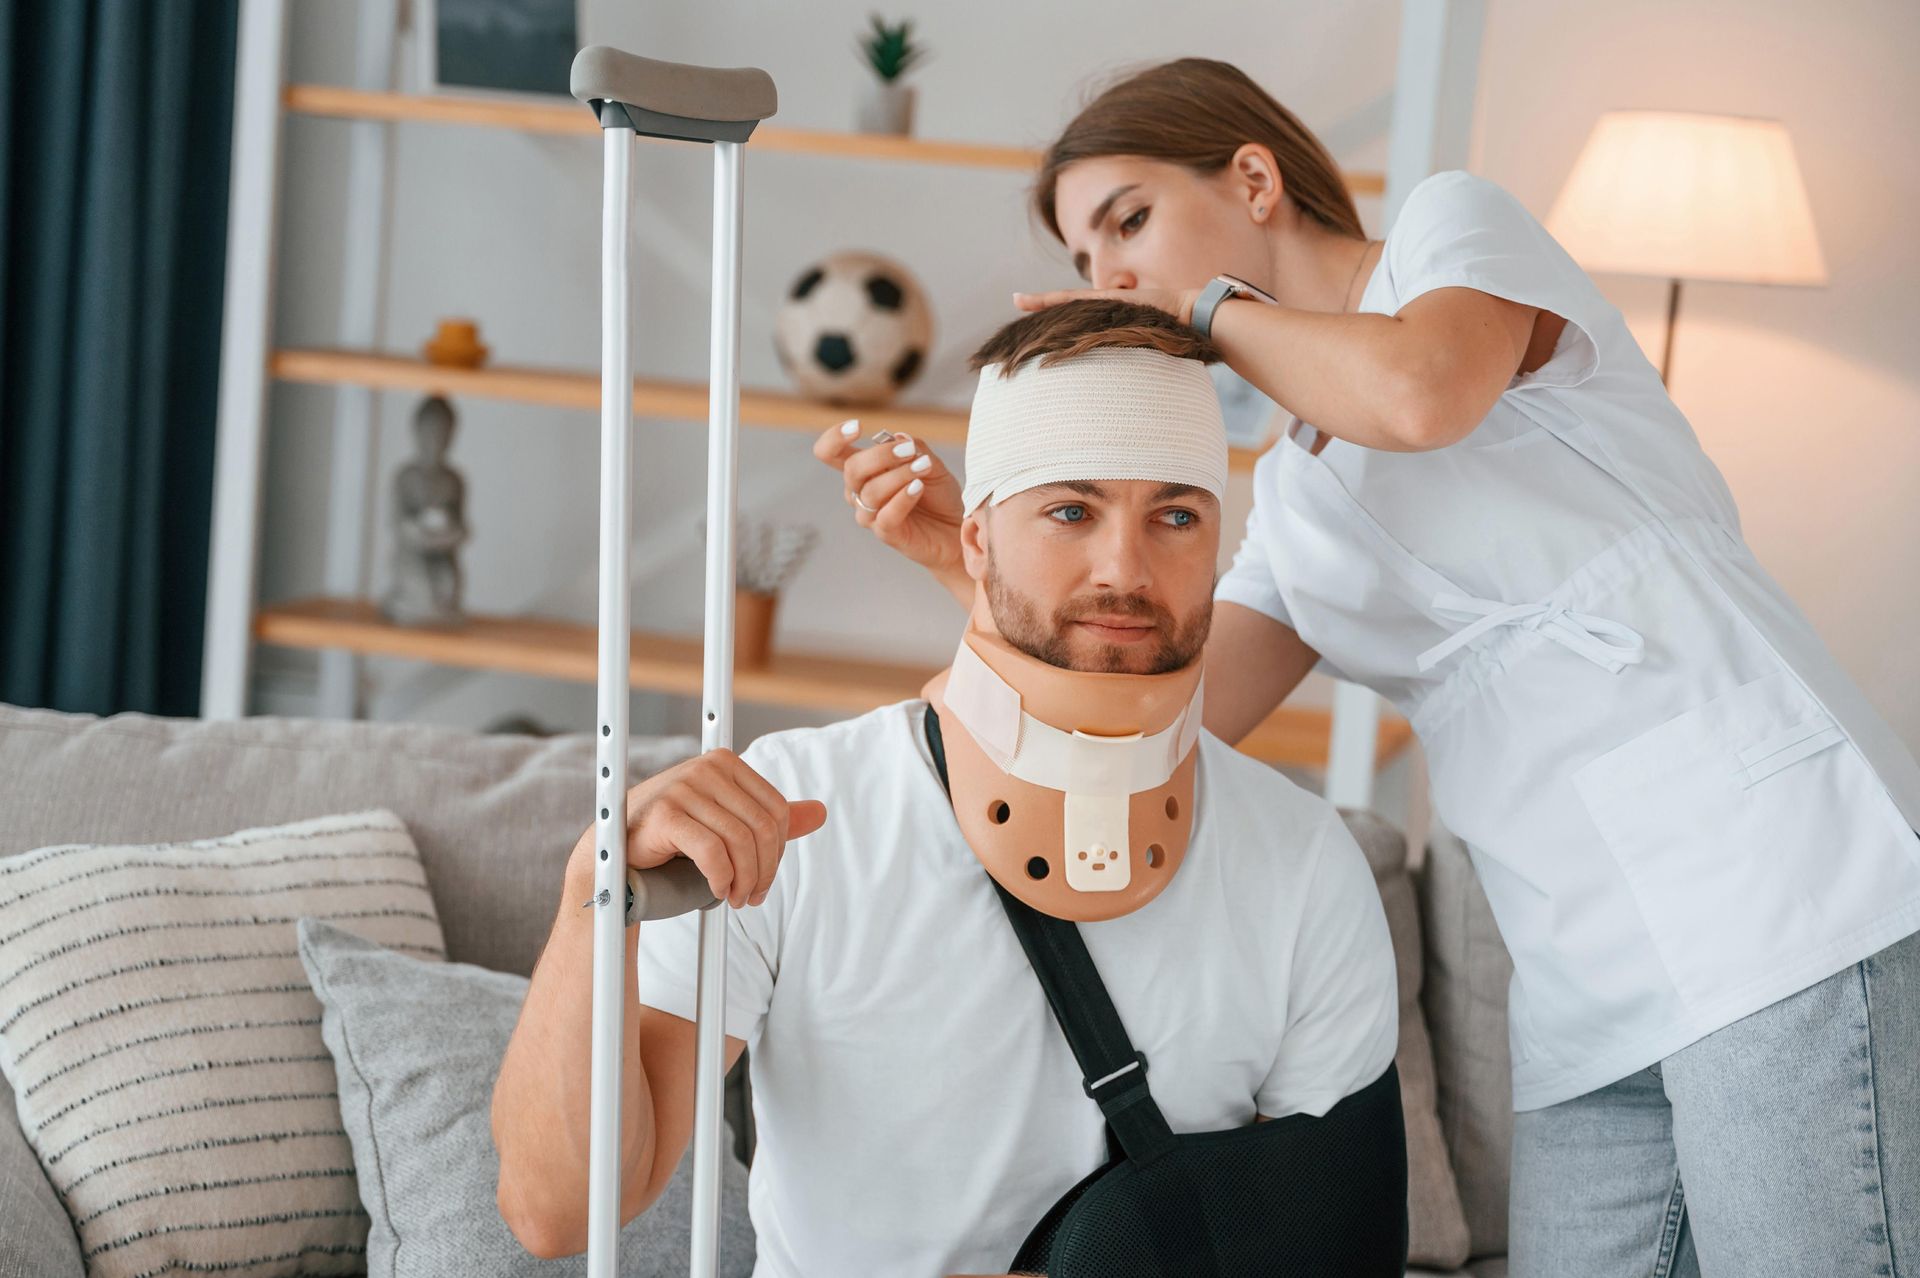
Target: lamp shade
x,y
1688,196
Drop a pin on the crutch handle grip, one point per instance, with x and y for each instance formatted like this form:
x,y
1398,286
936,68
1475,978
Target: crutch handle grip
x,y
672,99
667,891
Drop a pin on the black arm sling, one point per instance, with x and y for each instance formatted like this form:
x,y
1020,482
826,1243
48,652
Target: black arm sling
x,y
1295,1197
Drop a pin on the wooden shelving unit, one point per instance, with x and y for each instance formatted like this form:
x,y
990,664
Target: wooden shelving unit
x,y
534,645
670,663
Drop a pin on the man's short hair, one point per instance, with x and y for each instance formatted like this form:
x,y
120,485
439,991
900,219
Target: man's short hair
x,y
1092,323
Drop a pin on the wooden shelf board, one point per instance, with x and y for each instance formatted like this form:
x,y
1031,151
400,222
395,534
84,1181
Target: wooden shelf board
x,y
671,663
569,650
779,410
567,389
565,118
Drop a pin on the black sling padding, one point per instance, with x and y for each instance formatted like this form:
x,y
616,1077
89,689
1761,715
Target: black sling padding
x,y
1294,1197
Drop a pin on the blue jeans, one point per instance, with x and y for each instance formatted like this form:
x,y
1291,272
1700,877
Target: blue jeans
x,y
1787,1143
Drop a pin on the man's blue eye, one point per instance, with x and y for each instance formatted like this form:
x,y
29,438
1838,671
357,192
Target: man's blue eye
x,y
1182,518
1070,514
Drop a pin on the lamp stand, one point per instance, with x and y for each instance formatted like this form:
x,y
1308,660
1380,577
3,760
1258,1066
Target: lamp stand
x,y
1673,316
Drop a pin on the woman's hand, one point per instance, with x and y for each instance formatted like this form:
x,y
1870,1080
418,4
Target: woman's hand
x,y
1177,302
911,500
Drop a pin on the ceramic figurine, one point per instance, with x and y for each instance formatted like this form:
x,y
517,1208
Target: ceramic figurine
x,y
429,525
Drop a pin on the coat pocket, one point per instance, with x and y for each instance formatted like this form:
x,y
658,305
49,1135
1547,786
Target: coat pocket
x,y
1750,831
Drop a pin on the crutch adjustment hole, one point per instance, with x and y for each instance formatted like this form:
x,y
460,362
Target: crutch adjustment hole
x,y
603,814
603,854
998,812
606,729
606,772
709,716
1154,854
1173,808
1037,867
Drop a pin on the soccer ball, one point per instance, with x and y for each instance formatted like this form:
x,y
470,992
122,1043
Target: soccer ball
x,y
854,328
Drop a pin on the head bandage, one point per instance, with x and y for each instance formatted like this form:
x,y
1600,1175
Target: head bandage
x,y
1111,413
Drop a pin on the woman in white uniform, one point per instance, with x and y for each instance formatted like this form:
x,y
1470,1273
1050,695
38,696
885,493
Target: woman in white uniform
x,y
1696,836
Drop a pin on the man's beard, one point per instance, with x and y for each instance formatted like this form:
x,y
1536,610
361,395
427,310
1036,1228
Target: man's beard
x,y
1020,623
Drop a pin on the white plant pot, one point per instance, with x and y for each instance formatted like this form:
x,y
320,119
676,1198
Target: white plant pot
x,y
886,107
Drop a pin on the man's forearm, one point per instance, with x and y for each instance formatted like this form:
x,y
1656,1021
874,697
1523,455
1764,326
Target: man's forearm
x,y
542,1099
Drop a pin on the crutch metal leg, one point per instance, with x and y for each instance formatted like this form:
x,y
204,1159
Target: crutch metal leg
x,y
634,96
716,682
610,786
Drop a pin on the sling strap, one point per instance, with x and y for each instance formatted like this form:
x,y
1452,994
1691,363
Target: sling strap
x,y
1113,1072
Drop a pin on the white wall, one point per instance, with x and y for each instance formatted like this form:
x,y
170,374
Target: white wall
x,y
1808,399
1802,395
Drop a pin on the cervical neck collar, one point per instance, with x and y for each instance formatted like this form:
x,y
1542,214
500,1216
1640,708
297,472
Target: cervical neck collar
x,y
1075,789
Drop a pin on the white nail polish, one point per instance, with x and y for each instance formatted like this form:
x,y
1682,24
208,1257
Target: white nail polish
x,y
915,487
850,429
921,464
904,448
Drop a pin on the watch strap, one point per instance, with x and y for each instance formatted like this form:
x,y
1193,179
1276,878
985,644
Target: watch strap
x,y
1216,291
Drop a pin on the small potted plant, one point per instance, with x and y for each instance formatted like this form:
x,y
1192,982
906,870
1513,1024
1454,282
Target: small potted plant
x,y
887,106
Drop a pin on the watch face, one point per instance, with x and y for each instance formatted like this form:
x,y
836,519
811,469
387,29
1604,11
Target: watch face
x,y
1242,288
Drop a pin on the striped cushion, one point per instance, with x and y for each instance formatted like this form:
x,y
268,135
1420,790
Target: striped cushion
x,y
164,1045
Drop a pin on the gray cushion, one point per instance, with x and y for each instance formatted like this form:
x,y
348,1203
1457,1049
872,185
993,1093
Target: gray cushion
x,y
493,816
1466,1000
417,1047
1438,1231
36,1238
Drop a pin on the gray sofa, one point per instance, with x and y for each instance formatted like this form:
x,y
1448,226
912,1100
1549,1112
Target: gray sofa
x,y
494,818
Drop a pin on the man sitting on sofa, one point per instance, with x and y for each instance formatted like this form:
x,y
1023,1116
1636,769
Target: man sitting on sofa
x,y
918,1108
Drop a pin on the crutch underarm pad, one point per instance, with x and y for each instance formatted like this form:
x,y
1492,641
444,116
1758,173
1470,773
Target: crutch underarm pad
x,y
672,99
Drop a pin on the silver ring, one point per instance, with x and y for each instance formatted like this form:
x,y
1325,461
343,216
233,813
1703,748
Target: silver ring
x,y
862,505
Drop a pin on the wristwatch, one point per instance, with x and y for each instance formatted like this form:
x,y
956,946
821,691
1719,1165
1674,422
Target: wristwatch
x,y
1218,290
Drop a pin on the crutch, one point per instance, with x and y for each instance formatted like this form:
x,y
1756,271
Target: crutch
x,y
633,97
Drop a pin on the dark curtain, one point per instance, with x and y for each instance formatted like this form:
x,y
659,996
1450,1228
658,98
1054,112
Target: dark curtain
x,y
115,125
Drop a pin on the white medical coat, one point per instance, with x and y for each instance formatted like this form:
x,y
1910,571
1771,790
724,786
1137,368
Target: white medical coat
x,y
1680,806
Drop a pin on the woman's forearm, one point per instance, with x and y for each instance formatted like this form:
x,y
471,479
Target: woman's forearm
x,y
1419,379
1253,662
1354,376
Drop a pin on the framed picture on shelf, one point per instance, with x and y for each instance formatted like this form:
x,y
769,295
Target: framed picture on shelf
x,y
496,46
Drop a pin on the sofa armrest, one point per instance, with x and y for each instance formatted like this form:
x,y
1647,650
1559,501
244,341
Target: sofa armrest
x,y
36,1235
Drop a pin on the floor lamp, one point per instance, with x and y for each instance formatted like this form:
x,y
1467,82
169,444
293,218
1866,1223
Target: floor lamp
x,y
1684,196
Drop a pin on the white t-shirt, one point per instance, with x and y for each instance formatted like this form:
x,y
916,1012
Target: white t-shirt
x,y
916,1104
1668,843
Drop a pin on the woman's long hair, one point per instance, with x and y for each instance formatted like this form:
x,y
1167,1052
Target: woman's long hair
x,y
1197,112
